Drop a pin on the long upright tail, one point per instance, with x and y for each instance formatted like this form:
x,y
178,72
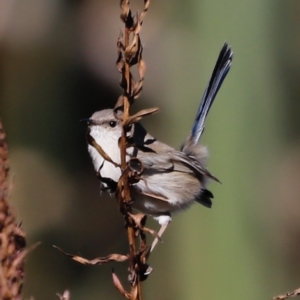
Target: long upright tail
x,y
219,73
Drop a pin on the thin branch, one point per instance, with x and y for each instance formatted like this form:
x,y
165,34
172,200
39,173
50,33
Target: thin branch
x,y
295,293
129,54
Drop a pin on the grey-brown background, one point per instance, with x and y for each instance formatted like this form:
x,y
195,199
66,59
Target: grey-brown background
x,y
57,65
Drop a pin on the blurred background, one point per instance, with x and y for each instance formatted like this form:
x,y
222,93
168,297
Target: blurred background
x,y
57,65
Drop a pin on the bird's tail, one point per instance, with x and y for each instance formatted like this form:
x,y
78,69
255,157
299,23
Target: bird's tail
x,y
219,73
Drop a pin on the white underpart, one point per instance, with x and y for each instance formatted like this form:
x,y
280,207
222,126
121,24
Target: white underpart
x,y
162,220
110,147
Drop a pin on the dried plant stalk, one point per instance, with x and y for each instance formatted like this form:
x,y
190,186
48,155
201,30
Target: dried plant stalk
x,y
129,54
95,261
12,237
295,293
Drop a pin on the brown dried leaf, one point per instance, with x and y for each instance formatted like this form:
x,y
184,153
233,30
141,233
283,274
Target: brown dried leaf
x,y
120,44
95,261
138,55
146,4
152,232
137,94
144,257
127,18
118,110
139,115
125,10
143,13
123,82
142,69
132,81
140,220
137,25
120,63
131,51
137,89
117,283
93,143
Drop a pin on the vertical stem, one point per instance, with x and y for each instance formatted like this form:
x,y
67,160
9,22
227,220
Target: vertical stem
x,y
139,297
126,195
123,137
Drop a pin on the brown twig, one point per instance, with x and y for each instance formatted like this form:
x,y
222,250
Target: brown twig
x,y
95,261
129,54
295,293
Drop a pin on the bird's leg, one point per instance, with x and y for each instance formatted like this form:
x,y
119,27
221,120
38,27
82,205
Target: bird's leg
x,y
160,233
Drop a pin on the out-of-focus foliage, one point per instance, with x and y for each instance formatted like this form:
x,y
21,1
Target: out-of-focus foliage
x,y
57,65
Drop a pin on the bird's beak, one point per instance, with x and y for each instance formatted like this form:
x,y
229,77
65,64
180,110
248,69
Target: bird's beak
x,y
87,121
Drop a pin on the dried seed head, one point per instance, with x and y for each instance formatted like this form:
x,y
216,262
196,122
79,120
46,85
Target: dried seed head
x,y
130,51
12,237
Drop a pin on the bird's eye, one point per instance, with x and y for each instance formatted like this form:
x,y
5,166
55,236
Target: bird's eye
x,y
112,124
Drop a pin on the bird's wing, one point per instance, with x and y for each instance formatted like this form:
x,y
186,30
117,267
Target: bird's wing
x,y
156,196
159,157
191,162
172,160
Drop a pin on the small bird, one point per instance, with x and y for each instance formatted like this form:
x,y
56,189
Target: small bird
x,y
171,179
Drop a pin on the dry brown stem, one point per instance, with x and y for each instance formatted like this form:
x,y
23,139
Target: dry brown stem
x,y
12,237
295,293
129,55
95,261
